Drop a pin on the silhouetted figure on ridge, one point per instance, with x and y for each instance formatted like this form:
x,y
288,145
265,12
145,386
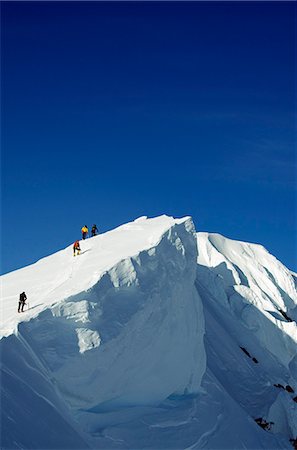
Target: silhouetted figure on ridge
x,y
22,302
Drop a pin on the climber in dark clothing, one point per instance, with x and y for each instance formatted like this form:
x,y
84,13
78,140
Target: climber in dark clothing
x,y
22,302
94,230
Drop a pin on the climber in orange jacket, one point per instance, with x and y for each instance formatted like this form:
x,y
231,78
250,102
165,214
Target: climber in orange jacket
x,y
76,248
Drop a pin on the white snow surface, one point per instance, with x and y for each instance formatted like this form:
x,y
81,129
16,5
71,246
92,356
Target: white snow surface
x,y
250,305
154,337
121,324
60,276
255,287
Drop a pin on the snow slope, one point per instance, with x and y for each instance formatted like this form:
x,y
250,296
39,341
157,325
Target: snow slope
x,y
154,337
250,307
121,324
60,276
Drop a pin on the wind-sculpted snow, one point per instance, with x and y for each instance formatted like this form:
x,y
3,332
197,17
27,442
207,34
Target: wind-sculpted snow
x,y
60,276
132,345
131,335
135,337
250,302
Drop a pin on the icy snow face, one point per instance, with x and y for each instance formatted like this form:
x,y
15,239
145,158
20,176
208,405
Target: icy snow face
x,y
257,289
136,335
250,302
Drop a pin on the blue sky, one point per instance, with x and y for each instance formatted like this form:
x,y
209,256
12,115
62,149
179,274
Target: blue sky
x,y
115,110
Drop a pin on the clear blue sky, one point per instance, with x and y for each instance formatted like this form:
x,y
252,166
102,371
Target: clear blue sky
x,y
114,110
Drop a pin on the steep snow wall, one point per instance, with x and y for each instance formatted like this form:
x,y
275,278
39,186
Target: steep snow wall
x,y
250,302
135,337
33,414
255,287
129,335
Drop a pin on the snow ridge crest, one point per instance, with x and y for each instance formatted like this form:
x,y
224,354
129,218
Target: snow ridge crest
x,y
133,335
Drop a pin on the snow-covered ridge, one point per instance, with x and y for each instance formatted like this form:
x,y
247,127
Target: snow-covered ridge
x,y
60,275
121,324
154,337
